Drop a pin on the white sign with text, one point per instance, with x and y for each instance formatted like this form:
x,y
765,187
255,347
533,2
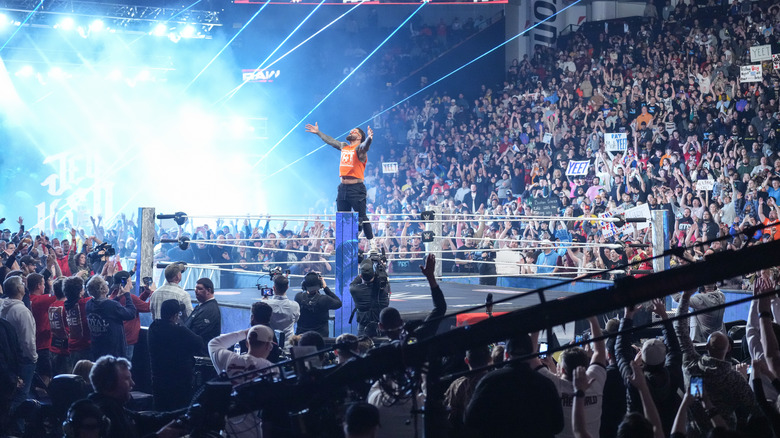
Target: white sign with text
x,y
616,142
761,53
750,73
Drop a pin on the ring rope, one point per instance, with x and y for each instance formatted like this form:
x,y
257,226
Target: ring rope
x,y
232,245
455,277
501,218
262,239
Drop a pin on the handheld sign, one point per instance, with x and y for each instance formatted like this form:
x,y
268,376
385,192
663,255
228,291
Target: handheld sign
x,y
616,142
391,167
578,168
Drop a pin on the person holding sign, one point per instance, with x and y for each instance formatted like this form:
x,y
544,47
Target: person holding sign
x,y
354,155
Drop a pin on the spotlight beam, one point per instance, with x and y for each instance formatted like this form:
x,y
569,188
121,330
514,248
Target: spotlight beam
x,y
18,28
341,83
241,85
422,89
226,46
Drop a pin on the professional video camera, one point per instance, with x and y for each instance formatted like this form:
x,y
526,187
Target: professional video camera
x,y
266,290
103,250
380,266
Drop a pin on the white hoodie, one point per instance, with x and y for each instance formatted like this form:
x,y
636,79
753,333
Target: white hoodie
x,y
15,312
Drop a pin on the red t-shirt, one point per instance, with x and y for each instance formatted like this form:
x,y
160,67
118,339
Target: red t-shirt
x,y
78,330
64,266
59,327
133,326
40,310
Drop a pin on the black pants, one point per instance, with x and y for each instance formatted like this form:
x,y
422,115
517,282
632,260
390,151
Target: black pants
x,y
352,197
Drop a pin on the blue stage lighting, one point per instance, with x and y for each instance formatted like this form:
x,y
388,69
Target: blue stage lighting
x,y
97,26
188,31
160,30
67,23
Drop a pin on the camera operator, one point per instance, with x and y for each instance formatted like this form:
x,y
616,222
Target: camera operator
x,y
99,256
315,307
371,293
285,311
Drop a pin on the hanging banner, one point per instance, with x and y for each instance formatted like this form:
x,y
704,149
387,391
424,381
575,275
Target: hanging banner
x,y
616,142
750,73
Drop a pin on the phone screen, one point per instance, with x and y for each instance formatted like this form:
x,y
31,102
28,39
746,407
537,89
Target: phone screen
x,y
542,349
697,387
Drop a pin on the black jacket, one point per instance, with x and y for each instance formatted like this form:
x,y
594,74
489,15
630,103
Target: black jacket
x,y
172,349
369,300
315,311
513,399
205,321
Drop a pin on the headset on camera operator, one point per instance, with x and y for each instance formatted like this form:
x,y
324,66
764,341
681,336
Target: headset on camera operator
x,y
315,307
371,293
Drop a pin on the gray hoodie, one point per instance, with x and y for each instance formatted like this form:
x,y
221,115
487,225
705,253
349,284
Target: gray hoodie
x,y
15,312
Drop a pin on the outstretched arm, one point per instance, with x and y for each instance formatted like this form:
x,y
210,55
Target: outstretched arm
x,y
362,150
315,129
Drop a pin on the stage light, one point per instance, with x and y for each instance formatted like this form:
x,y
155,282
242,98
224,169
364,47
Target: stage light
x,y
115,75
144,75
3,20
25,72
56,73
160,30
174,37
67,23
96,26
188,31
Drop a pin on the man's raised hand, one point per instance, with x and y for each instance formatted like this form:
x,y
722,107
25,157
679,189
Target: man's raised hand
x,y
370,132
314,129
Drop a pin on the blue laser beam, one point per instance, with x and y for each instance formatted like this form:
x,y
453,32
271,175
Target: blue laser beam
x,y
226,45
431,84
18,28
183,10
340,83
314,34
241,85
229,95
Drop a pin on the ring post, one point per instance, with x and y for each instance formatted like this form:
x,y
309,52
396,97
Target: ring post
x,y
346,269
144,262
659,221
435,246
